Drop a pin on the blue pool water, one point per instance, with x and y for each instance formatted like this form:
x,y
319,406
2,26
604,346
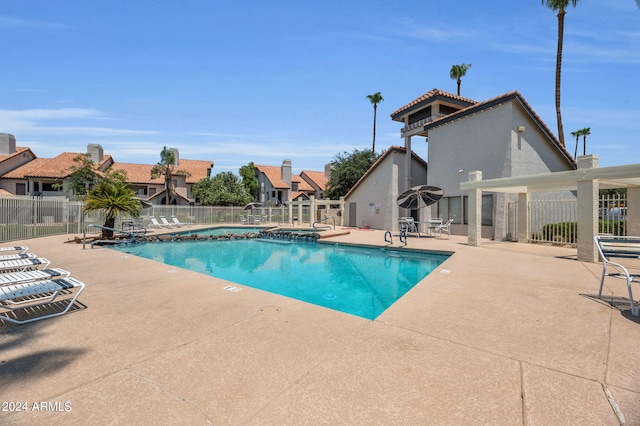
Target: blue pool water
x,y
360,281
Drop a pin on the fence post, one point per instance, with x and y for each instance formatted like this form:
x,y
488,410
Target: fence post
x,y
523,217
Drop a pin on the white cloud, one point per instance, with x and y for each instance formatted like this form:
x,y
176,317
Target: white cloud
x,y
7,22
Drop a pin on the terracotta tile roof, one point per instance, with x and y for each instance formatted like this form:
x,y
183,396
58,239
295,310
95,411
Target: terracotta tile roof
x,y
429,95
507,97
6,194
303,185
19,150
141,173
297,194
274,174
319,178
387,153
52,168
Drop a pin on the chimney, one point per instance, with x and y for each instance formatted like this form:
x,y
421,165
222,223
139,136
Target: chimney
x,y
95,152
7,144
286,172
328,168
176,155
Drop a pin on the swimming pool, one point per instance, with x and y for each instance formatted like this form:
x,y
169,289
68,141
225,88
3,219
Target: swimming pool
x,y
361,281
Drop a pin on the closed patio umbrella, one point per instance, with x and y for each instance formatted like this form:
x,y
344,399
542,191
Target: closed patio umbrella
x,y
420,196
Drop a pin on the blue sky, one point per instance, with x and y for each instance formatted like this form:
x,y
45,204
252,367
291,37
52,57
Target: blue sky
x,y
234,82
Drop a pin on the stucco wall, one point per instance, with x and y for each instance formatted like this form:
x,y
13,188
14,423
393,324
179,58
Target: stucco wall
x,y
375,198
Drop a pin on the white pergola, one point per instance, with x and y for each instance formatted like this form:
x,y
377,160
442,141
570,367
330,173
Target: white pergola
x,y
586,180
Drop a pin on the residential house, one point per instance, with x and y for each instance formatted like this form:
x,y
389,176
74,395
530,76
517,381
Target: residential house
x,y
22,173
48,176
502,137
278,185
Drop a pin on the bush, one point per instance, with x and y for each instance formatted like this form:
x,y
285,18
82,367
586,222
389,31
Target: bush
x,y
561,232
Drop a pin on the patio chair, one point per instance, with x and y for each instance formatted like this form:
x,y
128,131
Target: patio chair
x,y
175,221
19,265
154,222
19,249
243,219
165,223
9,278
32,294
17,256
411,226
446,227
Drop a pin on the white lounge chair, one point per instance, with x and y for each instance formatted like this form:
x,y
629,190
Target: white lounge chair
x,y
176,222
28,295
19,249
17,256
446,227
154,223
9,278
165,223
19,265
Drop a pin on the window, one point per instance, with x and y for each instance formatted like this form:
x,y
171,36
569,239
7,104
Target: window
x,y
294,186
450,207
458,208
21,189
486,212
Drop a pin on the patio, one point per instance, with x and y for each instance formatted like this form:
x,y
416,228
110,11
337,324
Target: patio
x,y
504,333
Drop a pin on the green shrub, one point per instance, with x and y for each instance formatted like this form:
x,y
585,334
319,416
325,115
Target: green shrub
x,y
561,232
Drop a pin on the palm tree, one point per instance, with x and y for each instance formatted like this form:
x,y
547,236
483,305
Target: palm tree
x,y
112,197
560,6
585,132
577,134
457,72
166,167
375,99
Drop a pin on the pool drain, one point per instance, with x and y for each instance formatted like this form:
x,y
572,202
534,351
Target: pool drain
x,y
329,296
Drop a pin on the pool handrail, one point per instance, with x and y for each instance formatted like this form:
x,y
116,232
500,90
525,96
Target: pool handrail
x,y
132,236
325,226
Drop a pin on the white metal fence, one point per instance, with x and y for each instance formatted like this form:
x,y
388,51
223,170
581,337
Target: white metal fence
x,y
26,217
555,221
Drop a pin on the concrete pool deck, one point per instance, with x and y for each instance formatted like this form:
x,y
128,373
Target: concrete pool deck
x,y
505,333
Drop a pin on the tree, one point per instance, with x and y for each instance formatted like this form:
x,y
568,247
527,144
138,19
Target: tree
x,y
457,72
346,170
167,167
560,6
249,179
577,134
111,196
83,174
375,99
585,132
224,189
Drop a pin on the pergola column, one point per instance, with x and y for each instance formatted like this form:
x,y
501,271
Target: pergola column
x,y
523,217
475,210
587,211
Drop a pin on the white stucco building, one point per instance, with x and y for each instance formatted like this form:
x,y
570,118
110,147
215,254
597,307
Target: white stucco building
x,y
502,137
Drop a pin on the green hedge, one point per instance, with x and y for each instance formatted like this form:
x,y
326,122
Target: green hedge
x,y
566,231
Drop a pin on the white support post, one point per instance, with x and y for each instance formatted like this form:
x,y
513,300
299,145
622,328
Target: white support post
x,y
633,211
475,211
587,212
523,217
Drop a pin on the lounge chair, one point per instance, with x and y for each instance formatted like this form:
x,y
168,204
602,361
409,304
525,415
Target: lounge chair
x,y
175,221
9,278
19,249
28,295
446,227
154,223
20,265
165,223
17,256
